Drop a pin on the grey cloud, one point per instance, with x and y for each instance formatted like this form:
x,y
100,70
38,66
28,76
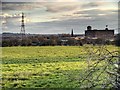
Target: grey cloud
x,y
90,4
92,11
79,25
7,6
61,7
95,13
65,26
115,11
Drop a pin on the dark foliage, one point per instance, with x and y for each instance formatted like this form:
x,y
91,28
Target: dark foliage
x,y
117,41
52,40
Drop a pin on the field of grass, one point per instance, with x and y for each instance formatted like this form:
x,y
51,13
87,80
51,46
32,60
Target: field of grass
x,y
43,67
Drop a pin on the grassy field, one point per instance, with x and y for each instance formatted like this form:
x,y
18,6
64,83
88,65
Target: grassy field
x,y
43,67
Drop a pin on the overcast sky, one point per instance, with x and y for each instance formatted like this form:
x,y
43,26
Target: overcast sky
x,y
59,16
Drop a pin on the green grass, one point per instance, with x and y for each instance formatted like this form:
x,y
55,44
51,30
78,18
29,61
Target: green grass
x,y
12,55
43,67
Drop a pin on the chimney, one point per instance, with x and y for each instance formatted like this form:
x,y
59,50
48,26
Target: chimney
x,y
106,27
89,28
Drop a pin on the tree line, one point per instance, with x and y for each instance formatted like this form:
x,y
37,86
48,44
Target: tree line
x,y
54,41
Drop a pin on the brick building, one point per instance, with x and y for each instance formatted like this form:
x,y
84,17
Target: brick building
x,y
105,34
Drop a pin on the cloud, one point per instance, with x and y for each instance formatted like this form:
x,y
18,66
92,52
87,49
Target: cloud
x,y
91,4
41,0
78,24
58,0
11,21
95,12
60,7
65,26
91,12
54,17
50,6
7,6
7,15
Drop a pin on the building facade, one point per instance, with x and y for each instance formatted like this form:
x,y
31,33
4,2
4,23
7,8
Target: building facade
x,y
105,34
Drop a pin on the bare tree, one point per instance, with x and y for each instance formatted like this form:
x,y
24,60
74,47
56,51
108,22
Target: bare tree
x,y
103,68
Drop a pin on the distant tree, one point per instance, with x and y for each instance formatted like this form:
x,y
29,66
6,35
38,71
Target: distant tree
x,y
98,41
117,40
58,41
41,39
71,41
26,42
53,40
5,43
80,42
35,40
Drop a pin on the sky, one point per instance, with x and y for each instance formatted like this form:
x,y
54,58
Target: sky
x,y
58,16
